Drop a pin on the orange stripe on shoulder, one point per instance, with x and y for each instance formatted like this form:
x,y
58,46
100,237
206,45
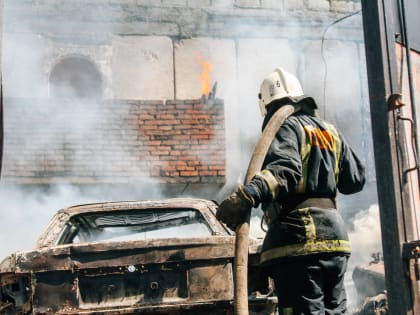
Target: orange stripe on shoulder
x,y
323,139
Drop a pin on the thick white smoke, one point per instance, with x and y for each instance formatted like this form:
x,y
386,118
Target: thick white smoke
x,y
365,238
75,123
24,213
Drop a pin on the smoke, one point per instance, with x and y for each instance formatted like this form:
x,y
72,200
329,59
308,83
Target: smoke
x,y
366,236
365,239
51,129
25,213
239,66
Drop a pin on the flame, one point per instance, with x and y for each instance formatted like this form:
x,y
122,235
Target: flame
x,y
204,77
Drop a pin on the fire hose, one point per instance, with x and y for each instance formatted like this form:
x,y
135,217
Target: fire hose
x,y
240,276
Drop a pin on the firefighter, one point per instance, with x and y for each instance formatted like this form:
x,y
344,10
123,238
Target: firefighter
x,y
306,247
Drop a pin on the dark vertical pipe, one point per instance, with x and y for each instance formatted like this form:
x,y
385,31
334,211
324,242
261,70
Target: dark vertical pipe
x,y
1,125
382,74
1,88
174,66
406,41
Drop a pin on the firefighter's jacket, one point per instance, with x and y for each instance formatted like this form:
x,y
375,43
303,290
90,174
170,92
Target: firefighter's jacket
x,y
307,159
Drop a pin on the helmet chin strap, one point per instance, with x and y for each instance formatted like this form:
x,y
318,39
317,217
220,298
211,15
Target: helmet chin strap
x,y
263,109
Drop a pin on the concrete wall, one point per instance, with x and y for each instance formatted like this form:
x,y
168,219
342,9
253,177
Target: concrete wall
x,y
142,67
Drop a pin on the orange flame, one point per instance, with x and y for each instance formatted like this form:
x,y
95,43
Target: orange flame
x,y
204,77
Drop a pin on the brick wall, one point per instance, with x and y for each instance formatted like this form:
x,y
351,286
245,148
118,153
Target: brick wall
x,y
114,142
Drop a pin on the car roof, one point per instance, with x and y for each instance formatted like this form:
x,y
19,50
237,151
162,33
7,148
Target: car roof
x,y
206,207
182,203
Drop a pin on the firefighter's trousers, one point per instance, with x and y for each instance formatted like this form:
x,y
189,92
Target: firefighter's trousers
x,y
311,285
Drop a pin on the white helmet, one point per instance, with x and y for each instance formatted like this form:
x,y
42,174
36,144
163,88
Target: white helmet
x,y
279,84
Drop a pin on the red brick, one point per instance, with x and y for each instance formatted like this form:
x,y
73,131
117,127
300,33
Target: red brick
x,y
182,127
182,106
179,163
165,127
155,171
217,167
153,142
208,173
181,147
169,122
150,127
169,142
186,157
188,173
181,137
145,117
190,121
184,168
168,158
168,168
166,117
151,122
159,152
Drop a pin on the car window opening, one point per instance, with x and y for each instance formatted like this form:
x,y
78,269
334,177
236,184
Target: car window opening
x,y
135,225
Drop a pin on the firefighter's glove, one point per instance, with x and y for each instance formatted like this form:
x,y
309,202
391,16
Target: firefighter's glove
x,y
235,209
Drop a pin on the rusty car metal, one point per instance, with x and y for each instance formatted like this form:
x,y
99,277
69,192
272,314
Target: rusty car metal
x,y
152,257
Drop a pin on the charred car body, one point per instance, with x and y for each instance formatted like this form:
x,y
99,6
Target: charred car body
x,y
163,257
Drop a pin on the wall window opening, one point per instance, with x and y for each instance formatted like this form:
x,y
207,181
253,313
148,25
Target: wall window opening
x,y
75,77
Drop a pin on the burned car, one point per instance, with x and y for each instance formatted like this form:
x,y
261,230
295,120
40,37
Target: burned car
x,y
152,257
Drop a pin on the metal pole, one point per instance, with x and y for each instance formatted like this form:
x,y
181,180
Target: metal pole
x,y
382,71
406,42
1,89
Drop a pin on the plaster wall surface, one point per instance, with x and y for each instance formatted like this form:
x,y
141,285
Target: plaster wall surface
x,y
23,76
142,67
